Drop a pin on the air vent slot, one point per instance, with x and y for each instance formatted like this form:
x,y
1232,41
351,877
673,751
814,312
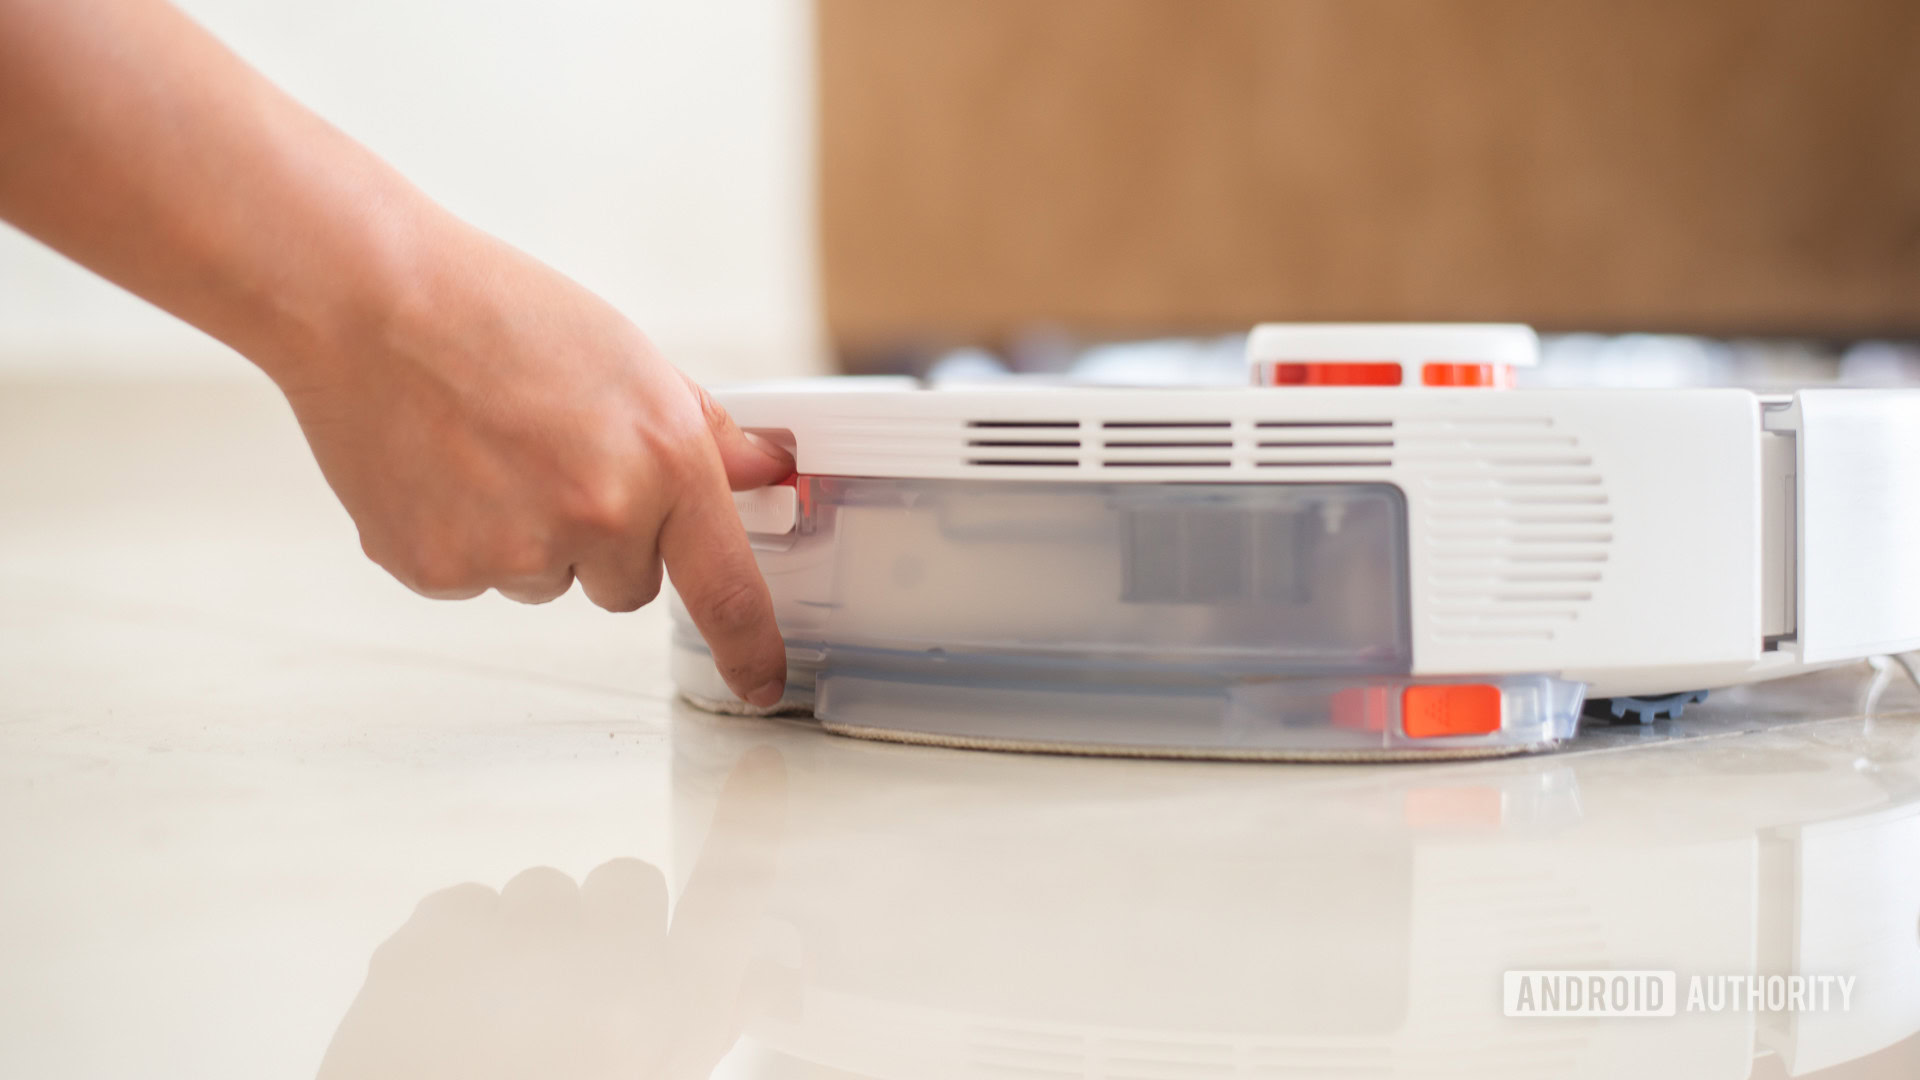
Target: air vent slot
x,y
1023,461
1045,444
1182,445
1304,443
1264,424
1163,463
1166,444
1323,444
1327,463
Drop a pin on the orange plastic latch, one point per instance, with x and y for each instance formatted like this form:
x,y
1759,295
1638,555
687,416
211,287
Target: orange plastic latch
x,y
1496,376
1450,709
1331,373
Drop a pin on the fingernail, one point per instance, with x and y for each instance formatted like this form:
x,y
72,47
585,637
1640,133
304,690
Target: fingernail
x,y
768,695
768,447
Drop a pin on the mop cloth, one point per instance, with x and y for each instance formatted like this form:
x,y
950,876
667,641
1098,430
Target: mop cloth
x,y
736,707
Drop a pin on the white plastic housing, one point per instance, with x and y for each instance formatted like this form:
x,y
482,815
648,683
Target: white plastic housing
x,y
1859,521
1410,345
1639,542
1613,537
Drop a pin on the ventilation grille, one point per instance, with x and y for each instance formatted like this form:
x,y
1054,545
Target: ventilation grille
x,y
1037,443
1165,444
1177,445
1517,529
1343,444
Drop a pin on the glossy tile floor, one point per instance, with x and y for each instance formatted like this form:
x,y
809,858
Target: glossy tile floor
x,y
265,814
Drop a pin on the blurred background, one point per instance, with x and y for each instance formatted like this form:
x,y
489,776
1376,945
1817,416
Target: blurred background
x,y
659,151
1676,192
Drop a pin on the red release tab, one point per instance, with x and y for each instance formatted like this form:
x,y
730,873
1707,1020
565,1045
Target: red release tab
x,y
1450,709
1496,376
1331,373
802,494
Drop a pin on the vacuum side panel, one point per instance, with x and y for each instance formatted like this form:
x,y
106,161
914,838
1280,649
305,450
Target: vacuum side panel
x,y
1549,531
1859,523
1643,553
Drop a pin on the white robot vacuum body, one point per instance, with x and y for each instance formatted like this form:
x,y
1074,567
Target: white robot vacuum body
x,y
1376,550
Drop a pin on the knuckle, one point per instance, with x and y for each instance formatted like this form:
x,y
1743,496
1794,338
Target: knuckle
x,y
389,555
436,572
646,592
602,503
524,562
620,603
629,597
532,596
420,562
735,606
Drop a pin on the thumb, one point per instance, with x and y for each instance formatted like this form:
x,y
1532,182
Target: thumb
x,y
750,460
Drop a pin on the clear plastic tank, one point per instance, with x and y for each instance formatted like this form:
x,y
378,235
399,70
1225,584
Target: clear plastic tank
x,y
1213,619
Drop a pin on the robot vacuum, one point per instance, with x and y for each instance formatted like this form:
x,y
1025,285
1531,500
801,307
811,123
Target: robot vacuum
x,y
1376,549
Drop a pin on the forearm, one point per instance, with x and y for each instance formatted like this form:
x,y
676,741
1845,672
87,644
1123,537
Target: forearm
x,y
486,422
136,144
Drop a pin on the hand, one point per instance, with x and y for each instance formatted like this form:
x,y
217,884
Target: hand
x,y
548,979
506,428
488,423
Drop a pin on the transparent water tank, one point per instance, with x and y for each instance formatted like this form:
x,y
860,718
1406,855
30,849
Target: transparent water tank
x,y
1214,619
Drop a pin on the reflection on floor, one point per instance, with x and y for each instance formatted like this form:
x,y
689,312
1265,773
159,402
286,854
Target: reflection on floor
x,y
956,914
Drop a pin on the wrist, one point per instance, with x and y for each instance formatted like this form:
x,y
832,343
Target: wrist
x,y
363,284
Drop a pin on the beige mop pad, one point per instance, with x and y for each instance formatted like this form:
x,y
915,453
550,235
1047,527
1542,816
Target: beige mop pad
x,y
1019,746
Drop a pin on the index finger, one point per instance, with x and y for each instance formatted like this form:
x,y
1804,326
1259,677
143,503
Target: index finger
x,y
711,564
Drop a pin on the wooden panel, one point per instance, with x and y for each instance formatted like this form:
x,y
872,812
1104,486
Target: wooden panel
x,y
1133,166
